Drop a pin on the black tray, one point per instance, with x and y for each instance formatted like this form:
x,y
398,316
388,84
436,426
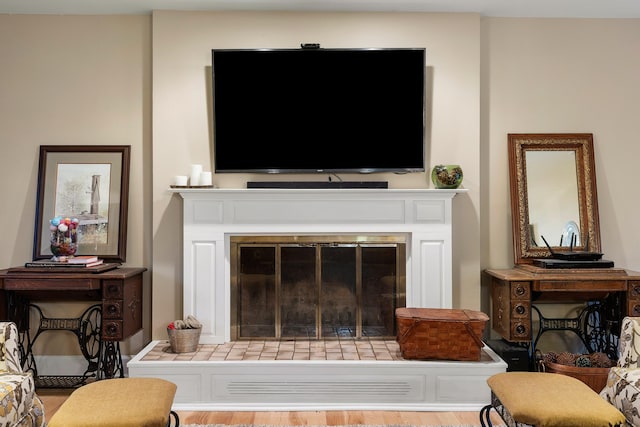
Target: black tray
x,y
561,263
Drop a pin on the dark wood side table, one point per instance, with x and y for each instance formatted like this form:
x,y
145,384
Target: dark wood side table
x,y
613,293
116,315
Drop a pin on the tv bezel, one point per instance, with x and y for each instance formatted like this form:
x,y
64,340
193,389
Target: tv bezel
x,y
354,170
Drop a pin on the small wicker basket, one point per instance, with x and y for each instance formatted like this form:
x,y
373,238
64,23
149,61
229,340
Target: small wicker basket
x,y
596,378
184,340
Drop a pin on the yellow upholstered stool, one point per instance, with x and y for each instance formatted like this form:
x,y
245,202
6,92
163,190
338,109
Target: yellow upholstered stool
x,y
543,399
119,402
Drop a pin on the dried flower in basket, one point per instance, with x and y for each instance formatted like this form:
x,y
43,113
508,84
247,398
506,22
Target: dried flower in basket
x,y
566,358
190,322
593,360
600,360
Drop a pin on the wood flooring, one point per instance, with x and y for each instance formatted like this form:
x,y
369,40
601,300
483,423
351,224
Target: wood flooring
x,y
53,398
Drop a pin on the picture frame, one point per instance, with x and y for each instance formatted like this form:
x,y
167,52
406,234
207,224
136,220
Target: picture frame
x,y
552,180
89,183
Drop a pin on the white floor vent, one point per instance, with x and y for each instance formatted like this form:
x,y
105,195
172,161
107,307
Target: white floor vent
x,y
320,387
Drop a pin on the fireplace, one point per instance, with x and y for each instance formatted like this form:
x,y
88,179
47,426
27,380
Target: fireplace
x,y
359,252
214,218
316,287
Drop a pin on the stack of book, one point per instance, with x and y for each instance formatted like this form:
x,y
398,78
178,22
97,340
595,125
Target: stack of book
x,y
82,261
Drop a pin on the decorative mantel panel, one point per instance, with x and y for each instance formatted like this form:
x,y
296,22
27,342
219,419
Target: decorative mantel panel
x,y
212,216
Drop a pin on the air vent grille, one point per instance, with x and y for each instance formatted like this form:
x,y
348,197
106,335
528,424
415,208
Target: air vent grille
x,y
398,388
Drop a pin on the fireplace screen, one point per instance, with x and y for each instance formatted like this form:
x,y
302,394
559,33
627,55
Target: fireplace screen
x,y
316,287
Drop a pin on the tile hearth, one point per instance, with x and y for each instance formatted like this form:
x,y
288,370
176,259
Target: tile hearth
x,y
343,349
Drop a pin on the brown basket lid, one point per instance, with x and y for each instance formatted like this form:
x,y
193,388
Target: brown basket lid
x,y
448,314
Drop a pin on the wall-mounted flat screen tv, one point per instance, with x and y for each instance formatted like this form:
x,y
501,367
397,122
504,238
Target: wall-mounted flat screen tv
x,y
319,110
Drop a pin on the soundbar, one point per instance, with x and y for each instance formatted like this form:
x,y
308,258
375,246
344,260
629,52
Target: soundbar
x,y
317,184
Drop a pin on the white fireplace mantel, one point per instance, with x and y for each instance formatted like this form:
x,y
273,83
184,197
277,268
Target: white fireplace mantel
x,y
211,216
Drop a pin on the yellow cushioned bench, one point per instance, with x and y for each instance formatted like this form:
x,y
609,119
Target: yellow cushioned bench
x,y
543,399
119,402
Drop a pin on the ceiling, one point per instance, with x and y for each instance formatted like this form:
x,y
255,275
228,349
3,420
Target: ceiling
x,y
494,8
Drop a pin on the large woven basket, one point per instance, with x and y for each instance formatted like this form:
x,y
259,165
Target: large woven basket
x,y
596,378
184,340
440,333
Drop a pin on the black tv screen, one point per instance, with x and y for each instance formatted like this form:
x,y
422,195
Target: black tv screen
x,y
318,110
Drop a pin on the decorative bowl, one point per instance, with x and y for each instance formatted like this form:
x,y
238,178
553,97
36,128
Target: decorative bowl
x,y
446,176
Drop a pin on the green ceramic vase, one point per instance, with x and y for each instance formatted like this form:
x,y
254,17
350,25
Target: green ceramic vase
x,y
446,176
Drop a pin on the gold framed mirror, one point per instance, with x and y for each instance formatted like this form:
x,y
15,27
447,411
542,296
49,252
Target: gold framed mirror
x,y
553,194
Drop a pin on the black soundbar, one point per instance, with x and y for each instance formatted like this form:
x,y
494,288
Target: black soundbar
x,y
317,184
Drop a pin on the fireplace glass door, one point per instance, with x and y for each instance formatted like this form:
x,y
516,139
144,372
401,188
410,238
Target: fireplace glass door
x,y
316,287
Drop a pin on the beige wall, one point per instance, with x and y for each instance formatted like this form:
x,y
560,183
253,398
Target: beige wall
x,y
557,75
145,81
562,75
78,80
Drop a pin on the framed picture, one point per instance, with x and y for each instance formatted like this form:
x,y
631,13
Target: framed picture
x,y
554,203
88,185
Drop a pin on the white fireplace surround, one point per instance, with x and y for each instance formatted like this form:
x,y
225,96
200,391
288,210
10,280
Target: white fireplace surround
x,y
212,216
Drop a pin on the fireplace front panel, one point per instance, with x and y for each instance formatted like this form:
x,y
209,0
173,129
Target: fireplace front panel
x,y
316,287
211,217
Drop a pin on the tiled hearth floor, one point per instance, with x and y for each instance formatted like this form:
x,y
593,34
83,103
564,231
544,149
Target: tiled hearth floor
x,y
343,349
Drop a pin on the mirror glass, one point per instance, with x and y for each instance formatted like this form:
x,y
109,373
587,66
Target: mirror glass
x,y
553,215
553,194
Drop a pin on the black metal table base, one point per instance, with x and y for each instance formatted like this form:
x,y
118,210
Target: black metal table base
x,y
104,359
597,325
